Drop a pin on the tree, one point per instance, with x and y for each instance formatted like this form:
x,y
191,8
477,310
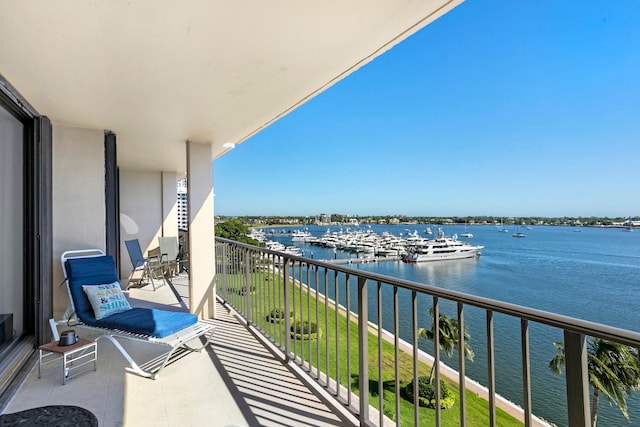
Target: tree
x,y
447,338
234,229
613,369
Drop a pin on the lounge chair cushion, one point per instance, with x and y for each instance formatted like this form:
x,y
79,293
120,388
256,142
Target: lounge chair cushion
x,y
100,270
106,299
148,321
88,271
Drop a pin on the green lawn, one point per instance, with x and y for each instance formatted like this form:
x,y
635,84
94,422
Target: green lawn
x,y
342,357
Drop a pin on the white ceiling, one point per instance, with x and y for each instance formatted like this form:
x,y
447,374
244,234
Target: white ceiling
x,y
161,72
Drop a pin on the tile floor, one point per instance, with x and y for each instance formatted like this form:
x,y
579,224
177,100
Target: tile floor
x,y
237,381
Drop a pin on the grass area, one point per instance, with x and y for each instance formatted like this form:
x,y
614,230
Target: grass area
x,y
340,357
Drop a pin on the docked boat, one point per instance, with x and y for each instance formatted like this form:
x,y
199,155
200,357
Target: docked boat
x,y
466,233
301,236
439,249
275,246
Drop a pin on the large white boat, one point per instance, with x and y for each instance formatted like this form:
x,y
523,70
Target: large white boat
x,y
301,236
439,249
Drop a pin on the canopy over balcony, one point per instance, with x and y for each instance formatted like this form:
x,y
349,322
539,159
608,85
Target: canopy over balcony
x,y
159,73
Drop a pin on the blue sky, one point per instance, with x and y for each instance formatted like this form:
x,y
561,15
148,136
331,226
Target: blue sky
x,y
506,108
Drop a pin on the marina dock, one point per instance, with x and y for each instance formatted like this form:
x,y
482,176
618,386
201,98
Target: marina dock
x,y
364,260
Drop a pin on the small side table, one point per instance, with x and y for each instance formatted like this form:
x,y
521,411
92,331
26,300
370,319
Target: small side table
x,y
76,358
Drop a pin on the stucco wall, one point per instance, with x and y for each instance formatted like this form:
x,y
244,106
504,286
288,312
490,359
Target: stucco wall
x,y
78,198
141,213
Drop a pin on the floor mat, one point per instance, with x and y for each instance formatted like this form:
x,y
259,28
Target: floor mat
x,y
51,416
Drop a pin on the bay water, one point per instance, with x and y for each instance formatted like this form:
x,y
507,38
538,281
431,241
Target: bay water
x,y
582,272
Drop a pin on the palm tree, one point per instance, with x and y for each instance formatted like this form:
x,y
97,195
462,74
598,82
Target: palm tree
x,y
447,337
613,368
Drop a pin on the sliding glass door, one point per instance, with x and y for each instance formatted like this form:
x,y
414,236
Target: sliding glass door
x,y
12,275
25,236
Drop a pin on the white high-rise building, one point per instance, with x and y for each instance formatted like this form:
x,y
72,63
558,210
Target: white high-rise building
x,y
183,214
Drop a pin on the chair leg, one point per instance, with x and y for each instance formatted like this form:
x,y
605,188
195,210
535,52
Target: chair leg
x,y
138,280
149,274
156,273
133,366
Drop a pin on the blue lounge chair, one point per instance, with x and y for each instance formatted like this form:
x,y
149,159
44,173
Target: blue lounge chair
x,y
86,273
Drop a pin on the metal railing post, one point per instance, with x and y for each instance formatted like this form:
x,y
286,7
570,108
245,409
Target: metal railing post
x,y
247,291
336,291
225,272
461,366
577,377
363,349
526,372
380,366
491,370
396,352
414,341
326,327
287,310
348,314
317,292
436,356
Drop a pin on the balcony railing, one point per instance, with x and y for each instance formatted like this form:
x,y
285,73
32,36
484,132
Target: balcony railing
x,y
325,318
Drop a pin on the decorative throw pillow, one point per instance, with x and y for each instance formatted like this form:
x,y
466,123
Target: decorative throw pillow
x,y
106,299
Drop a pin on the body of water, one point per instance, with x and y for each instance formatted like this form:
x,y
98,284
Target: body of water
x,y
586,273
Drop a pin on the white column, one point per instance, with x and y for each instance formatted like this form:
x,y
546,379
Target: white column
x,y
201,233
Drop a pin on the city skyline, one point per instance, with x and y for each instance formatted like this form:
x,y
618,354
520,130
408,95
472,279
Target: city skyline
x,y
498,108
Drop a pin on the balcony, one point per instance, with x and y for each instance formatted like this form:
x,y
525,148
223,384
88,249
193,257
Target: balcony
x,y
355,357
256,374
238,381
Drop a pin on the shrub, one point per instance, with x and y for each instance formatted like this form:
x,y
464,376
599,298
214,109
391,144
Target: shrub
x,y
242,290
305,330
427,394
277,315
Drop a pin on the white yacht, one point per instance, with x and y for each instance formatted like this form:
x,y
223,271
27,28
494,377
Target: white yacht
x,y
301,236
441,248
257,234
275,246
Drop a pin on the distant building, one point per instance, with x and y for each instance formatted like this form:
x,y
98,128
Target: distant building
x,y
323,219
183,214
394,221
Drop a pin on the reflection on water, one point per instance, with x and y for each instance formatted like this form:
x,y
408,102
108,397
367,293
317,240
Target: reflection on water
x,y
443,273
